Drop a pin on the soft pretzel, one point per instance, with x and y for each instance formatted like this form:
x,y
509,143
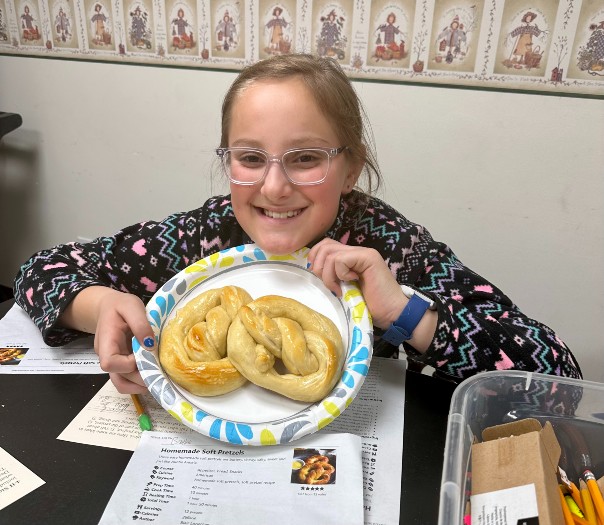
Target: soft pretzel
x,y
193,345
317,458
308,344
316,472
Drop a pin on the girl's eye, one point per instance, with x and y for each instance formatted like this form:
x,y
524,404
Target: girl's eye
x,y
305,158
251,158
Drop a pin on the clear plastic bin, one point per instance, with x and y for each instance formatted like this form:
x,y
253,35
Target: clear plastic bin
x,y
574,407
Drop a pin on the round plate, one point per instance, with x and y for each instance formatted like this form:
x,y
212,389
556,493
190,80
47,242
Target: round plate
x,y
252,415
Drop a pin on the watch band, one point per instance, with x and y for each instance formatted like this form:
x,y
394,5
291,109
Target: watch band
x,y
402,329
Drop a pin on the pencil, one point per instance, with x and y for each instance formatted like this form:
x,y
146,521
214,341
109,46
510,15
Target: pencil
x,y
579,521
467,517
143,418
576,496
588,504
572,505
568,515
594,492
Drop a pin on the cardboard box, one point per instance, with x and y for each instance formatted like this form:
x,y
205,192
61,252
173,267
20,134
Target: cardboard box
x,y
514,455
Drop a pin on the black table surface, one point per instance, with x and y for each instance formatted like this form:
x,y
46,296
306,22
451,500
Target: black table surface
x,y
80,479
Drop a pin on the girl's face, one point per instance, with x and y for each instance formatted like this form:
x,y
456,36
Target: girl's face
x,y
277,115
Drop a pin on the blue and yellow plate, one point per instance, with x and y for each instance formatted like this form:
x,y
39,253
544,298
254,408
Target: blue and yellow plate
x,y
252,415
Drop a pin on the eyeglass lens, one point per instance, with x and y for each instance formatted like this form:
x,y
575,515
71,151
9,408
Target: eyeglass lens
x,y
301,166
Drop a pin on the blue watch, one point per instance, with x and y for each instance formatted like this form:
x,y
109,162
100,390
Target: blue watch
x,y
403,327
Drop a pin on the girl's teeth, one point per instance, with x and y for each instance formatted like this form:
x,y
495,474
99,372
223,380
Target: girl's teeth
x,y
283,215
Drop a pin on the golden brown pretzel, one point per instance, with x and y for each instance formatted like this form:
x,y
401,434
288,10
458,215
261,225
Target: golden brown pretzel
x,y
314,459
308,344
316,472
193,345
8,354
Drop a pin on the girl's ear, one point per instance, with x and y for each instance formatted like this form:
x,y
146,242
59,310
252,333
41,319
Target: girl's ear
x,y
355,168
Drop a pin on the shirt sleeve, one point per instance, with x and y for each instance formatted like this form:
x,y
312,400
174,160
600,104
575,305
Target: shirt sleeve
x,y
479,328
137,259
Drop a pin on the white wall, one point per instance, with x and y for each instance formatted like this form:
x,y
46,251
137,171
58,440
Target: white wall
x,y
513,182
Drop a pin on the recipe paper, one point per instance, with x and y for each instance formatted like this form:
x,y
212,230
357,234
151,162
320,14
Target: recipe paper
x,y
110,420
23,351
16,480
376,415
173,479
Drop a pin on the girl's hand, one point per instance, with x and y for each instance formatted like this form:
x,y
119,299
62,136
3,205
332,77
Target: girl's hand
x,y
334,262
120,316
114,317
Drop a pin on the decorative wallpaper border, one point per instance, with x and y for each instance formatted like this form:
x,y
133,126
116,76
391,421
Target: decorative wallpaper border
x,y
548,46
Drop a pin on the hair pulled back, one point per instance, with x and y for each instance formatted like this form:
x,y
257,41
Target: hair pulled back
x,y
334,94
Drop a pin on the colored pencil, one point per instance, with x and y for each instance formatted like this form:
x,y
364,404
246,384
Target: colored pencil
x,y
144,420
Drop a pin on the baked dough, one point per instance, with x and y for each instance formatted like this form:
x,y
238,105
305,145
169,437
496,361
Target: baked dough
x,y
308,344
316,471
193,345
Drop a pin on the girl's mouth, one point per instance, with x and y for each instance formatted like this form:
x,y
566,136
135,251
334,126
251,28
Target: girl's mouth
x,y
281,214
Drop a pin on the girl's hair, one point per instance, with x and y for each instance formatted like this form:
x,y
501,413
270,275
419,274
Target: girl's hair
x,y
334,95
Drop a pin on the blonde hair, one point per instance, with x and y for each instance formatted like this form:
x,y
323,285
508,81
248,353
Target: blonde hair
x,y
334,95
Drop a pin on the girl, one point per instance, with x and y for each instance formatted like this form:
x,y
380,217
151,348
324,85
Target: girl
x,y
296,151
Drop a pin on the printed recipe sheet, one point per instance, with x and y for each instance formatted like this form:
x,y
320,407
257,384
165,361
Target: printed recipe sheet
x,y
180,480
23,351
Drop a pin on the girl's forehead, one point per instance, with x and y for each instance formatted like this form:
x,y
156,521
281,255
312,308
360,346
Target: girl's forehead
x,y
271,90
287,105
291,92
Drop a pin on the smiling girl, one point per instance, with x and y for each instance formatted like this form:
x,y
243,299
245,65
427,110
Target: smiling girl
x,y
296,152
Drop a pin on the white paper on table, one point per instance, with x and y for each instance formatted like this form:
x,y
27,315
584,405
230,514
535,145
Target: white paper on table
x,y
17,330
376,415
16,480
110,420
175,479
512,505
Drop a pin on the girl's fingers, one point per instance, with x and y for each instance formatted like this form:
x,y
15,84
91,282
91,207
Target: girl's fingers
x,y
128,383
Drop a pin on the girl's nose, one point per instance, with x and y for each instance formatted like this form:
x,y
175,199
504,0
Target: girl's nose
x,y
276,184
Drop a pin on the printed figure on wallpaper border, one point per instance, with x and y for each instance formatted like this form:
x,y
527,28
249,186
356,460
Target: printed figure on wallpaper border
x,y
524,37
183,31
101,26
331,39
139,30
452,42
228,29
390,28
591,55
29,26
226,32
279,32
64,24
523,52
455,30
3,30
390,42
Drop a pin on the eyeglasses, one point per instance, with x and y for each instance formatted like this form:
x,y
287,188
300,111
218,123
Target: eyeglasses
x,y
302,166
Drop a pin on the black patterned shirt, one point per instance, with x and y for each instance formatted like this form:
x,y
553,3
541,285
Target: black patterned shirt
x,y
479,328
